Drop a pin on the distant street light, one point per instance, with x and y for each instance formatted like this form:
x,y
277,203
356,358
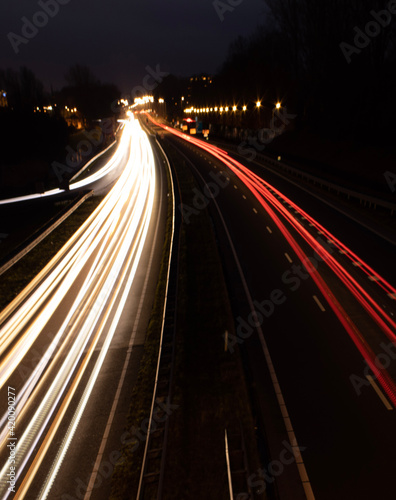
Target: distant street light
x,y
258,104
277,106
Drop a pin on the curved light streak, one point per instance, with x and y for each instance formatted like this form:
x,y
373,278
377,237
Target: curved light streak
x,y
95,176
110,242
263,191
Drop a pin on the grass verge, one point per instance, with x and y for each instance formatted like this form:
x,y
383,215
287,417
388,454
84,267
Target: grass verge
x,y
209,384
126,474
13,281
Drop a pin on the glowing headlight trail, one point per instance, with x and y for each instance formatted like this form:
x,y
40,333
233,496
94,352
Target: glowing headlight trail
x,y
25,314
128,235
71,317
66,273
255,184
102,172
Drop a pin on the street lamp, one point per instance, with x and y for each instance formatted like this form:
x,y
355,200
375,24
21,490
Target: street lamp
x,y
277,107
258,104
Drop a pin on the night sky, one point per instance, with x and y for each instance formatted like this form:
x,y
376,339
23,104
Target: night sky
x,y
117,39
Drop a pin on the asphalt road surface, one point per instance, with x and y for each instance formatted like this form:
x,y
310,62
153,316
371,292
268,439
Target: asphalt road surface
x,y
315,325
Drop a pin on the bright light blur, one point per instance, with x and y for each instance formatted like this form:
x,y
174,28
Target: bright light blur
x,y
139,101
108,247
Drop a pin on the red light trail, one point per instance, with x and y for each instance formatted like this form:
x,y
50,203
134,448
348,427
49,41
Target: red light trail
x,y
262,191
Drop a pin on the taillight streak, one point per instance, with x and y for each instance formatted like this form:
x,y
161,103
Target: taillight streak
x,y
260,189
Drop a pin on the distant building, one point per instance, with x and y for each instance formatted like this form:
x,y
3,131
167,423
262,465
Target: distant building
x,y
73,118
199,89
3,99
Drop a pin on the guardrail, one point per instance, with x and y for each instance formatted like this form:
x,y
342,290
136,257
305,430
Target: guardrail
x,y
44,232
84,167
153,464
371,201
350,193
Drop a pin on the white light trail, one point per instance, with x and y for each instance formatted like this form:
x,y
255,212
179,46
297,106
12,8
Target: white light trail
x,y
108,248
95,176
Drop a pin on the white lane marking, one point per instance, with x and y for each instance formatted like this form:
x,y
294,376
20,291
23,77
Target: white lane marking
x,y
244,197
320,232
292,438
269,230
392,296
342,252
310,224
330,242
320,305
379,392
235,187
373,278
254,210
356,264
288,257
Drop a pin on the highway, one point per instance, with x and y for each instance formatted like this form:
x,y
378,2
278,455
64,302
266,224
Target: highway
x,y
315,325
70,343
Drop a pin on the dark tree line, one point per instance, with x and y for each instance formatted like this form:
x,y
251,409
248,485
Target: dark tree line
x,y
88,94
24,90
327,60
317,59
27,134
